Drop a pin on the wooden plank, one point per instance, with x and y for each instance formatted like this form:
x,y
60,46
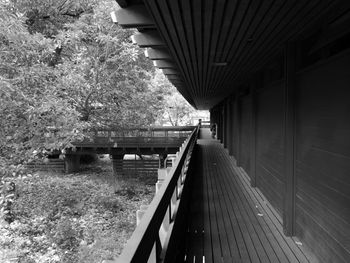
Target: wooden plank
x,y
158,53
173,26
164,64
274,222
134,16
187,14
170,72
195,245
165,30
236,244
213,232
260,244
238,18
219,212
208,252
231,215
150,38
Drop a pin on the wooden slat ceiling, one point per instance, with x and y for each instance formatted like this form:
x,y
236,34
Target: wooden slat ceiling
x,y
207,47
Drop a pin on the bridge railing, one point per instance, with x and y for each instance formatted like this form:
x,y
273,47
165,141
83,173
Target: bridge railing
x,y
205,124
164,132
156,238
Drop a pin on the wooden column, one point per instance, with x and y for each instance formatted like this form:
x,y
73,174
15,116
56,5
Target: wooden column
x,y
289,171
224,113
222,117
72,163
253,87
238,128
230,126
117,170
227,124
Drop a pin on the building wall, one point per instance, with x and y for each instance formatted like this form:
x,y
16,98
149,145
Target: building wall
x,y
322,166
245,119
270,143
321,152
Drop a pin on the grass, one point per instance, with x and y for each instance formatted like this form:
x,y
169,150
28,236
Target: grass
x,y
73,217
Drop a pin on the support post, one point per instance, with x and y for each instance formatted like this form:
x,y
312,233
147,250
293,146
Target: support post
x,y
231,127
72,163
253,87
227,124
222,125
162,160
289,196
238,128
117,168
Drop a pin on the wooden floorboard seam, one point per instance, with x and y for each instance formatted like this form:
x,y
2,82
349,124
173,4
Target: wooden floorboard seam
x,y
232,222
267,208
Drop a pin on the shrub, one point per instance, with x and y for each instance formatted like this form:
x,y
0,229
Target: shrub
x,y
71,218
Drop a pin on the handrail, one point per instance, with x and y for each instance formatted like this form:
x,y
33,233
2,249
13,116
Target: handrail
x,y
152,128
163,209
165,132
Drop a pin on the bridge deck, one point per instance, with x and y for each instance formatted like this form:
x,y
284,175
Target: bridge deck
x,y
229,220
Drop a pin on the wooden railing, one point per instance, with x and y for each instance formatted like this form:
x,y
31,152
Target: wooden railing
x,y
205,124
171,131
157,238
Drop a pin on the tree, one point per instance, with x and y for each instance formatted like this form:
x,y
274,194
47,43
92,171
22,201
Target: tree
x,y
29,106
65,67
173,108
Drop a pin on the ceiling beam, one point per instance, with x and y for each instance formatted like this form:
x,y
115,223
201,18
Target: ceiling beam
x,y
149,38
168,71
157,53
164,64
135,16
173,77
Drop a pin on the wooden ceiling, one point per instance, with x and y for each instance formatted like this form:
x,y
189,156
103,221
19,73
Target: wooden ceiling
x,y
206,47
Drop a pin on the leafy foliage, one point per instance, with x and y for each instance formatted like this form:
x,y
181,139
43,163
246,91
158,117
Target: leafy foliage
x,y
64,69
173,109
71,218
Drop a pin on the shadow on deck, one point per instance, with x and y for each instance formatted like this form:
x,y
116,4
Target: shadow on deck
x,y
228,220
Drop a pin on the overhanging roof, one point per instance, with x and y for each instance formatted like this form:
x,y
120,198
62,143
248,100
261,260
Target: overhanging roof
x,y
207,46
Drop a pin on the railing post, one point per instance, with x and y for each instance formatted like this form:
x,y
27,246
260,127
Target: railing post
x,y
158,232
72,163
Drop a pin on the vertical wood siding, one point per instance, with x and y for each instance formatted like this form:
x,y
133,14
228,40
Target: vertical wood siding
x,y
323,159
270,144
245,133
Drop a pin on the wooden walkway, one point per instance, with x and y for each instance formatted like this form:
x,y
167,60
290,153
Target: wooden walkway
x,y
229,220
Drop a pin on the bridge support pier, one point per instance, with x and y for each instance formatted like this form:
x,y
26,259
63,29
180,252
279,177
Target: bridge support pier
x,y
72,163
162,160
117,170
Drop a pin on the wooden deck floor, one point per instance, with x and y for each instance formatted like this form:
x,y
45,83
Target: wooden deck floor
x,y
229,220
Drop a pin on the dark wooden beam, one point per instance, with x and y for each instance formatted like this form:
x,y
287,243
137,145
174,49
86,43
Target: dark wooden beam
x,y
232,126
224,123
157,53
173,77
164,64
237,112
228,120
289,168
168,71
176,82
149,38
135,16
256,81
